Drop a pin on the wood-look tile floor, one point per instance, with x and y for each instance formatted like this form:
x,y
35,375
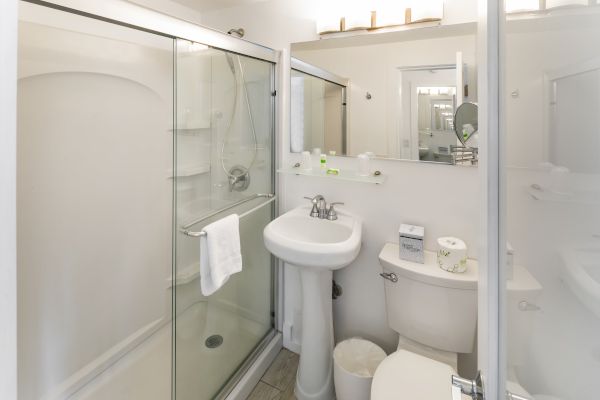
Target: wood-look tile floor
x,y
279,380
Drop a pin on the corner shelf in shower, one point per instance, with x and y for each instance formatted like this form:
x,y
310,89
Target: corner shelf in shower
x,y
185,172
185,275
344,175
191,131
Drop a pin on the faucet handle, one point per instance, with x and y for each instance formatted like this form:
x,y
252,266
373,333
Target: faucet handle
x,y
331,213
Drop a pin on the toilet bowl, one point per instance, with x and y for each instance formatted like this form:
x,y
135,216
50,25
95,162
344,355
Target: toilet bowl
x,y
435,315
410,376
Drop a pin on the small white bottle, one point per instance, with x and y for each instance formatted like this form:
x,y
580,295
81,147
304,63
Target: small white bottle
x,y
306,162
316,156
364,165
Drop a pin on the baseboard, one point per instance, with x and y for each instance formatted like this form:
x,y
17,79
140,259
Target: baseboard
x,y
245,386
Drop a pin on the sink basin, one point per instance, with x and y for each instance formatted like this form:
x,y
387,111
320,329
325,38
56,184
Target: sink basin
x,y
316,247
299,239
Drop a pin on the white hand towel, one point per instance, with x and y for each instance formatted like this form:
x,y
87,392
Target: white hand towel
x,y
220,253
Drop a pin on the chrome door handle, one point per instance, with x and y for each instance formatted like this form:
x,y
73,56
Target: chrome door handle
x,y
472,388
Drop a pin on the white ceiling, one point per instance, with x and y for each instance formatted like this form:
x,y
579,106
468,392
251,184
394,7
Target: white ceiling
x,y
212,5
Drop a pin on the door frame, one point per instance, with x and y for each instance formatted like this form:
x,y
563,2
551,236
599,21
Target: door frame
x,y
8,198
491,346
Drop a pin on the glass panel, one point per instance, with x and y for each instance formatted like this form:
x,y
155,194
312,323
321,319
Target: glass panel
x,y
94,209
317,116
552,106
224,146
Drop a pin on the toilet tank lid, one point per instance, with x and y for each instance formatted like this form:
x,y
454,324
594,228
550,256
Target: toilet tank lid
x,y
429,272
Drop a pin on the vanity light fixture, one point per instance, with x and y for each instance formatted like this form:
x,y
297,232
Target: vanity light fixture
x,y
340,16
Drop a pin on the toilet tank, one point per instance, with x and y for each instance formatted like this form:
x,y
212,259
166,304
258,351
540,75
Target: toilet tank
x,y
429,305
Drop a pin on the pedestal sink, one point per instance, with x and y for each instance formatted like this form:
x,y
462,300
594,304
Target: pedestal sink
x,y
317,247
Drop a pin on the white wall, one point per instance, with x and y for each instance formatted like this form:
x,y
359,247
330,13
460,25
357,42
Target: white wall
x,y
8,245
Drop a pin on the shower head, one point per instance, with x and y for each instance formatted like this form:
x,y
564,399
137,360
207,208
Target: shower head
x,y
238,32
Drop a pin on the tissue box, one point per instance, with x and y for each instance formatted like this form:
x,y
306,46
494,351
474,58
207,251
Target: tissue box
x,y
411,243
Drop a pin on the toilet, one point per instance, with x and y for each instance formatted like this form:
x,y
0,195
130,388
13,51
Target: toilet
x,y
435,315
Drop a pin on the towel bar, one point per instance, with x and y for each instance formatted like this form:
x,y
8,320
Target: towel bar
x,y
271,198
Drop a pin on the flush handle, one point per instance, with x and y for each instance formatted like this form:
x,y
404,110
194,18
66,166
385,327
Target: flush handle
x,y
390,276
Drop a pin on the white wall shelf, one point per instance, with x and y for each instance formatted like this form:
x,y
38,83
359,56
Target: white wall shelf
x,y
345,175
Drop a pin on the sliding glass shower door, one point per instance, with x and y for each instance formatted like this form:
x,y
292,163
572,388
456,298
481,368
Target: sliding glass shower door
x,y
551,198
224,165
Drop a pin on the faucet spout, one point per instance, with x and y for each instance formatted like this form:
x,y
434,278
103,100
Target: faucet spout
x,y
319,208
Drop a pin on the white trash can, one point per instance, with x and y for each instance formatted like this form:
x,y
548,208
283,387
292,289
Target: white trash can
x,y
354,363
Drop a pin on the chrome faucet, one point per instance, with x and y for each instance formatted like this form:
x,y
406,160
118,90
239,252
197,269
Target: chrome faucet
x,y
320,210
319,206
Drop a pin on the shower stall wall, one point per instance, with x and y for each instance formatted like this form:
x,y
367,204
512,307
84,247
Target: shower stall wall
x,y
127,137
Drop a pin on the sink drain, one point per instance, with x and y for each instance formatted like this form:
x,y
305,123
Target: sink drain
x,y
213,341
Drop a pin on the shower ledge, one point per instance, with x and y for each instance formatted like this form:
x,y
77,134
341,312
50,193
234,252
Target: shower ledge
x,y
190,171
185,275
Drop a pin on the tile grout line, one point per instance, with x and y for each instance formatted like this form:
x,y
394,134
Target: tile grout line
x,y
268,384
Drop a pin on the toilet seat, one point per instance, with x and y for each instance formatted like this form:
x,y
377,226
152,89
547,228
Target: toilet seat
x,y
408,376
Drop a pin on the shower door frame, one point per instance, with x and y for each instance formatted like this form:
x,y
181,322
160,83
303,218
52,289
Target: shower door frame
x,y
491,329
146,20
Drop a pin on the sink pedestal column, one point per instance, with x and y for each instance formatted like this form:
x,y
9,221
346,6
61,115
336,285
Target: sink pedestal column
x,y
315,371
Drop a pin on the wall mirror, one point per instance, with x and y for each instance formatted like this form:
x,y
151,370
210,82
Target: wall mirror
x,y
393,94
318,102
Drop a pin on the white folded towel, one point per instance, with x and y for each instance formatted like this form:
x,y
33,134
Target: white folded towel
x,y
220,253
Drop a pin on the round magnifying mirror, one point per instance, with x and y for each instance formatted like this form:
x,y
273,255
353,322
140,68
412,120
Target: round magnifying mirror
x,y
465,122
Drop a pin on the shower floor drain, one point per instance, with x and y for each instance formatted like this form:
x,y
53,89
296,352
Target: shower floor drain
x,y
213,341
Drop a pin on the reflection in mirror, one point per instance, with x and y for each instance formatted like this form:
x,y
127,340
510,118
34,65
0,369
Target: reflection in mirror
x,y
403,90
317,114
466,123
426,117
466,128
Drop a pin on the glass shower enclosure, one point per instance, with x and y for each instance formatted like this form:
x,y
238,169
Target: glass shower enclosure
x,y
131,141
224,165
